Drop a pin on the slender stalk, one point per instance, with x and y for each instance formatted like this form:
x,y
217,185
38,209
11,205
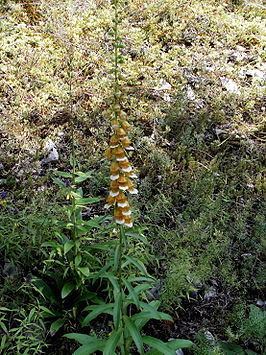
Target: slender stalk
x,y
120,282
116,54
121,229
73,153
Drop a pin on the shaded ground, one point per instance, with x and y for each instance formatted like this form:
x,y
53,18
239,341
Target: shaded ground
x,y
195,93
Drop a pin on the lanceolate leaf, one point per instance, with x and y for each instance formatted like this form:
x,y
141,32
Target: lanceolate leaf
x,y
112,342
56,325
63,174
67,289
112,279
179,344
44,289
87,200
117,309
91,348
96,311
137,263
80,338
137,236
82,176
132,292
68,246
158,345
153,311
117,256
143,317
141,288
135,334
84,270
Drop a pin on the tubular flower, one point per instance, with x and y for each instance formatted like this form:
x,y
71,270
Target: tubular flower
x,y
121,171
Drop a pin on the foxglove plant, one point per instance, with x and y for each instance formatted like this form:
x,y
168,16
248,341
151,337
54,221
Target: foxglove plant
x,y
121,171
124,273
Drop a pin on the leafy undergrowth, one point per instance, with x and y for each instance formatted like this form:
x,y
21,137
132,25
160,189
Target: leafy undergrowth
x,y
195,94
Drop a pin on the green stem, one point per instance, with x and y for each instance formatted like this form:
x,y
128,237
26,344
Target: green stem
x,y
120,282
121,229
73,153
116,54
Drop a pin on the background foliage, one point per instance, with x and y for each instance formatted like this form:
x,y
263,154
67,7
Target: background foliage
x,y
199,148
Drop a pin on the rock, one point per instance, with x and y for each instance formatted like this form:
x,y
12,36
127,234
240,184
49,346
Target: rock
x,y
238,55
159,91
261,303
61,134
211,339
10,270
190,93
209,68
163,85
3,195
167,97
52,152
189,36
211,293
178,351
154,292
230,85
253,73
246,255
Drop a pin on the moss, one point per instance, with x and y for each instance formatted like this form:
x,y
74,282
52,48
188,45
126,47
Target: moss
x,y
200,160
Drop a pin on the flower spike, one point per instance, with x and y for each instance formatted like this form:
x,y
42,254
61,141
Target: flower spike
x,y
121,170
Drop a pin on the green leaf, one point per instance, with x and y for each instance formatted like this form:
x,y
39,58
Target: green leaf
x,y
148,307
112,342
68,246
132,292
56,246
63,174
56,325
158,345
67,289
84,270
47,312
5,309
96,310
117,309
82,177
113,280
135,334
137,236
179,344
87,200
95,222
78,260
88,295
59,182
45,290
92,347
142,279
3,342
143,317
153,352
137,263
231,348
80,338
117,256
141,288
103,246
